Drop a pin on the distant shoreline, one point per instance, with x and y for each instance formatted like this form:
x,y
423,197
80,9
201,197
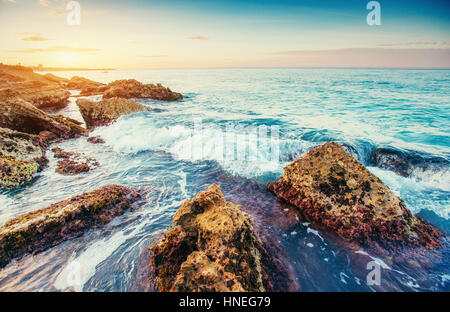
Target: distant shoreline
x,y
51,69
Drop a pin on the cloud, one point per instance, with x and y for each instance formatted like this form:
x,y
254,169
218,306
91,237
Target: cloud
x,y
198,38
43,2
34,38
11,1
56,49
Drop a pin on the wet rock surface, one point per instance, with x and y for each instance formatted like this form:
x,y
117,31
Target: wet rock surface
x,y
17,114
42,91
102,113
73,163
45,228
96,140
406,163
213,248
21,157
334,190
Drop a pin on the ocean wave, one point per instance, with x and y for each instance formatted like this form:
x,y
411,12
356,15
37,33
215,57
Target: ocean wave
x,y
240,151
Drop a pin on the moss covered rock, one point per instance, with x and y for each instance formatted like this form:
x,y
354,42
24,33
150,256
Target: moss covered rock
x,y
212,249
334,190
21,156
38,230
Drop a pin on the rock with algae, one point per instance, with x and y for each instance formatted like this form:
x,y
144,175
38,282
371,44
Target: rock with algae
x,y
41,229
102,113
21,156
334,190
73,163
212,249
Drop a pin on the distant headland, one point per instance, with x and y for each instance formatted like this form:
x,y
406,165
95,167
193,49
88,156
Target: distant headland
x,y
41,68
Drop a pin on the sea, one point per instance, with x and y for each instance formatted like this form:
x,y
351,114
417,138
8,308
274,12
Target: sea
x,y
239,128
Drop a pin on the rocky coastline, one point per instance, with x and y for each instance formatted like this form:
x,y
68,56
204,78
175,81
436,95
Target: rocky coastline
x,y
213,245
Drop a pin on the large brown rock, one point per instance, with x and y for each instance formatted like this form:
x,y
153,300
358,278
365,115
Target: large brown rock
x,y
212,249
334,190
41,229
131,88
20,82
21,157
87,86
20,115
104,112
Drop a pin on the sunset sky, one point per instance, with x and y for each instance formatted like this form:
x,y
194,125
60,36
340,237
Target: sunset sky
x,y
197,33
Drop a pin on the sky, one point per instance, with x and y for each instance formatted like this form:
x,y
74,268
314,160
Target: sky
x,y
137,34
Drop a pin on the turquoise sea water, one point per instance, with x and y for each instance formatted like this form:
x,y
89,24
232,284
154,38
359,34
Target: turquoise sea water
x,y
403,111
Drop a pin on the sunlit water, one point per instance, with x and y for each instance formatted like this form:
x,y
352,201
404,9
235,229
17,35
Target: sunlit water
x,y
364,109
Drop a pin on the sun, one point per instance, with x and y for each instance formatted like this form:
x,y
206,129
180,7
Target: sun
x,y
67,58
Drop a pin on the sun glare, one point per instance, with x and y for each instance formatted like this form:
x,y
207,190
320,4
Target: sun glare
x,y
67,58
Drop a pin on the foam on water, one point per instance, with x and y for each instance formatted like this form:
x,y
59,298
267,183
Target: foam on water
x,y
363,109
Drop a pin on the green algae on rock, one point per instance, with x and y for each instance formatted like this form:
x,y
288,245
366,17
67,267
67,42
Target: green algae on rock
x,y
102,113
41,229
212,249
21,156
332,189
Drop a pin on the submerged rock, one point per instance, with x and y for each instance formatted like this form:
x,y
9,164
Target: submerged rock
x,y
102,113
41,229
42,91
21,157
73,163
213,248
334,190
131,88
20,115
405,163
96,140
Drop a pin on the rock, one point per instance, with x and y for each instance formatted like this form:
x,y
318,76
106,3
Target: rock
x,y
212,249
102,113
17,114
87,86
18,82
132,88
404,163
96,140
21,157
41,229
73,163
334,190
57,79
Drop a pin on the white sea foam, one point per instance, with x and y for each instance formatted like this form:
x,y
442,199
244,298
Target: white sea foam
x,y
239,151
